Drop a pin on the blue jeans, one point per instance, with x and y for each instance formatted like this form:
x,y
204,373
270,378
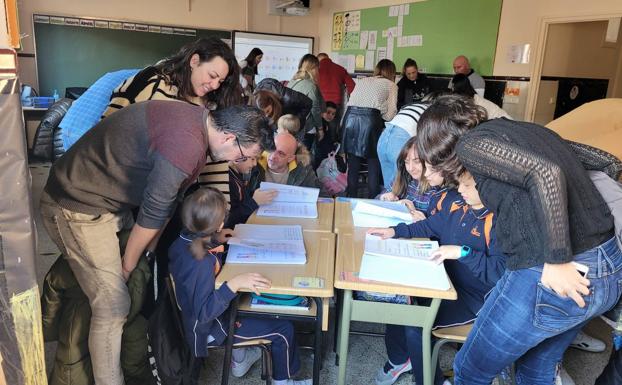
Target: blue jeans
x,y
390,144
524,322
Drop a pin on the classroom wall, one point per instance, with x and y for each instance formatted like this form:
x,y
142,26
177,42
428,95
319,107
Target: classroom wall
x,y
249,15
520,23
568,46
4,36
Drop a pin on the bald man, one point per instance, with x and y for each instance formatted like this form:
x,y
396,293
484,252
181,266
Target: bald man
x,y
462,66
280,165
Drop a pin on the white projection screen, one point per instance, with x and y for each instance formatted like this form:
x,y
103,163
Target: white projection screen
x,y
281,53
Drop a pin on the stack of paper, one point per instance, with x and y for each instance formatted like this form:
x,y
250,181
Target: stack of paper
x,y
269,244
377,213
403,262
290,202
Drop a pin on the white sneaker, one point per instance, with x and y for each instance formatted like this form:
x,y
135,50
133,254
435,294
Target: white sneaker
x,y
238,369
388,374
590,344
563,378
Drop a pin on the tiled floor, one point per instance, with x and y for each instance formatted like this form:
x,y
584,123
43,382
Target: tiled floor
x,y
366,355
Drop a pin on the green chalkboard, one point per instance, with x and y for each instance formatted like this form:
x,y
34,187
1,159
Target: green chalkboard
x,y
77,55
447,29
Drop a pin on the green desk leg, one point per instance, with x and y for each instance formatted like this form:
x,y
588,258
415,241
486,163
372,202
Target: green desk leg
x,y
427,337
344,335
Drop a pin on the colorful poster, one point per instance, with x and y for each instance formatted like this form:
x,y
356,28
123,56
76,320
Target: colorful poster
x,y
351,40
359,62
371,41
352,21
338,31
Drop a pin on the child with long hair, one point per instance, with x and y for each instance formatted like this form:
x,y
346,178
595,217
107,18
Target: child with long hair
x,y
473,260
410,186
194,265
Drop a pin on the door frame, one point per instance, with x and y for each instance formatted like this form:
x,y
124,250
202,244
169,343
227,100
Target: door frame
x,y
540,48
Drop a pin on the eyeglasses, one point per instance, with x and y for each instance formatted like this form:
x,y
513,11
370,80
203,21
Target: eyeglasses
x,y
242,158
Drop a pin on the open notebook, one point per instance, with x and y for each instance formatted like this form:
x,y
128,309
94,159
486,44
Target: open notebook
x,y
290,202
271,244
377,213
403,262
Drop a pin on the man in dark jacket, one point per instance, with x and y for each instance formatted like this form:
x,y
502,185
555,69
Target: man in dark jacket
x,y
280,166
144,156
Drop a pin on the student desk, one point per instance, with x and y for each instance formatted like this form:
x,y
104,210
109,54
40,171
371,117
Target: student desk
x,y
320,248
350,246
323,223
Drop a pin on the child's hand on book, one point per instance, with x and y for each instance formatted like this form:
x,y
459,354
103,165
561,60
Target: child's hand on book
x,y
382,233
250,281
445,252
388,197
263,197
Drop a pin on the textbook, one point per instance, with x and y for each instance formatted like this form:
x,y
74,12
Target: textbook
x,y
258,303
270,244
377,213
402,262
290,202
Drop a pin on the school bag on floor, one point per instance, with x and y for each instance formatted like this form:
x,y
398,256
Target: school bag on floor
x,y
332,181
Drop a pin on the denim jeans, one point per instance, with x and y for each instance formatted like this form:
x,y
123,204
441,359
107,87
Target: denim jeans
x,y
390,144
91,247
524,322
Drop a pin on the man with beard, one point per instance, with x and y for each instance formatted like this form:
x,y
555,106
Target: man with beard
x,y
143,156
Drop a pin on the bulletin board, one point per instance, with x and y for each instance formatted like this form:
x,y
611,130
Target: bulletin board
x,y
433,32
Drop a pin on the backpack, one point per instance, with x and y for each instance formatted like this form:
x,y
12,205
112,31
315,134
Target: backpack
x,y
170,358
333,181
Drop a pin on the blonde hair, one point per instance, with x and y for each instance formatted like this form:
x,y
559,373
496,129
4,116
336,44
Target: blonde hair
x,y
202,213
288,123
306,66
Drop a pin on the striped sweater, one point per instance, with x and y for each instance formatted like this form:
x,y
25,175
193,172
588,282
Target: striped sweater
x,y
150,84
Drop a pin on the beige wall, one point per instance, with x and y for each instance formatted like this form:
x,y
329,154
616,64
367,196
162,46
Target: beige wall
x,y
4,36
251,15
568,45
521,21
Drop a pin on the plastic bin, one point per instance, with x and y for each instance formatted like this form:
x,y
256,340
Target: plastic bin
x,y
42,101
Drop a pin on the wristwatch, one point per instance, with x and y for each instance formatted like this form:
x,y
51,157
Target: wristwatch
x,y
464,251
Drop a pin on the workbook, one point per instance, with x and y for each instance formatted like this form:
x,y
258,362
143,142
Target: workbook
x,y
290,202
402,262
267,244
377,213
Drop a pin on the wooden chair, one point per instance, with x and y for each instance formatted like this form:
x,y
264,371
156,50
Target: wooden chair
x,y
263,344
457,334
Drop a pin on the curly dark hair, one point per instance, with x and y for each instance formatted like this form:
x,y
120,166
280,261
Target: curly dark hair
x,y
177,69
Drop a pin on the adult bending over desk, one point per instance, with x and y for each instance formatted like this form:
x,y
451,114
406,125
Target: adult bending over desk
x,y
549,214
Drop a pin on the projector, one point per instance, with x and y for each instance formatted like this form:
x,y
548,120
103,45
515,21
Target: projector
x,y
297,11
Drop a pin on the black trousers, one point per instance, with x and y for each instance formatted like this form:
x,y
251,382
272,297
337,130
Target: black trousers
x,y
374,176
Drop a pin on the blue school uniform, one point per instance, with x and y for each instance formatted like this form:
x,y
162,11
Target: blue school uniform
x,y
419,199
205,315
473,276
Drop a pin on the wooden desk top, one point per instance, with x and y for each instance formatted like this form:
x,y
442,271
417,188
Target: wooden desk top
x,y
320,248
343,217
323,223
350,247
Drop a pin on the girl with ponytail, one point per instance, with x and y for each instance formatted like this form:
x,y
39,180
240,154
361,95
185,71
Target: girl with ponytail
x,y
194,262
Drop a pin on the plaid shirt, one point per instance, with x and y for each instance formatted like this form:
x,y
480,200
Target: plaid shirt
x,y
87,110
